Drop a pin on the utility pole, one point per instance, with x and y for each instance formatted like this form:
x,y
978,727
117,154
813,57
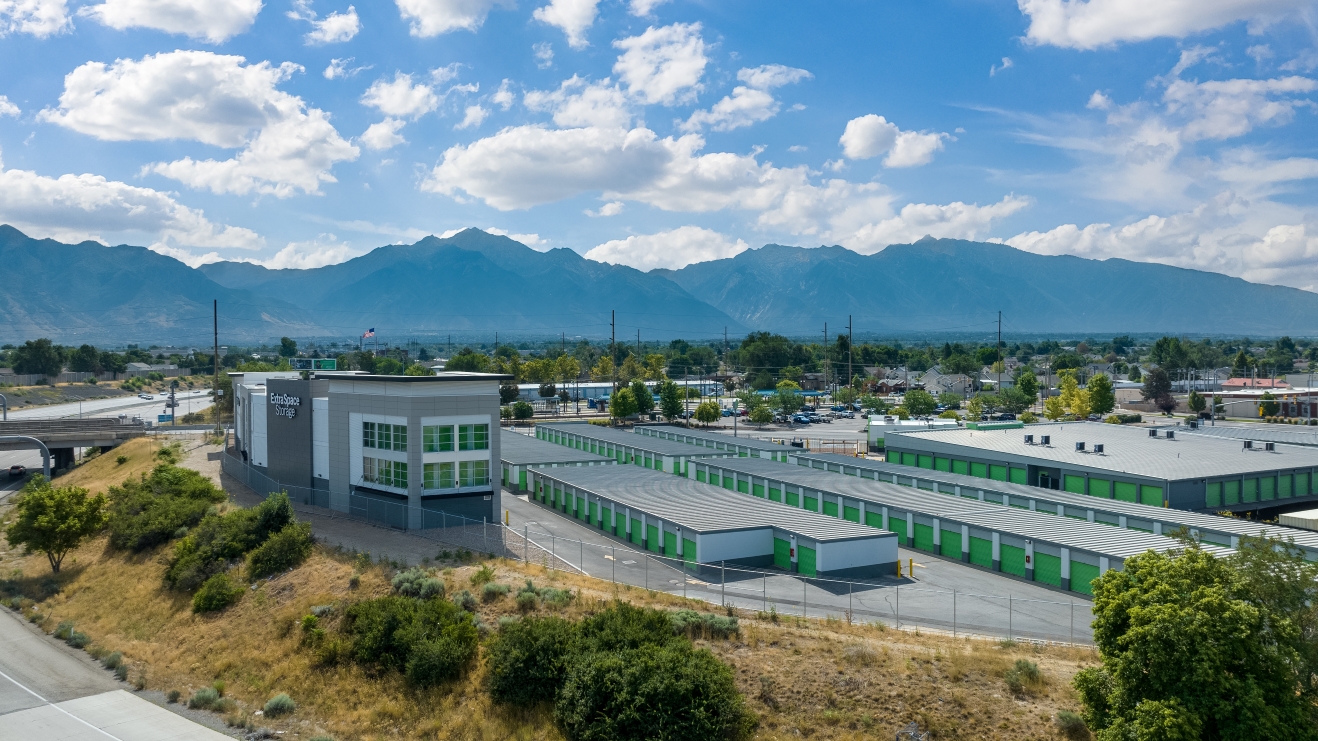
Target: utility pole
x,y
826,355
215,385
999,363
638,345
613,345
849,351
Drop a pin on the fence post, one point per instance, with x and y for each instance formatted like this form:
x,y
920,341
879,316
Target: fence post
x,y
615,564
803,598
764,585
723,581
1009,617
526,544
1072,622
899,607
954,613
553,550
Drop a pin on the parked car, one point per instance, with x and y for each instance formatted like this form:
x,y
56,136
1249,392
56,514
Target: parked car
x,y
16,471
800,419
727,412
847,415
1006,417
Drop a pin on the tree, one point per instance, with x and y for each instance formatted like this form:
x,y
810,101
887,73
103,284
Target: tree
x,y
919,402
788,401
1133,375
468,360
1241,365
1156,384
670,400
792,373
1268,406
508,392
1199,647
1102,399
631,368
788,385
287,347
1053,408
38,357
644,397
974,408
622,404
417,369
961,363
761,414
654,367
383,366
1027,382
846,395
949,400
112,362
603,370
1196,402
708,412
1014,400
1081,406
85,360
55,520
567,368
523,410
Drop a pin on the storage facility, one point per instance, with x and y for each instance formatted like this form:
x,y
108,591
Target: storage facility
x,y
1258,433
1059,551
880,426
1157,467
650,452
743,447
520,453
701,524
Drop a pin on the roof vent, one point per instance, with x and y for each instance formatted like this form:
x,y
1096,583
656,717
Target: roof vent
x,y
1153,432
1045,440
1079,447
1249,445
1029,439
1171,434
1098,448
1270,447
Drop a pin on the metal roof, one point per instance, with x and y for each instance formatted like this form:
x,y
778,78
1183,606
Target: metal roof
x,y
638,442
1305,436
1127,450
701,507
1170,518
1061,531
516,449
681,434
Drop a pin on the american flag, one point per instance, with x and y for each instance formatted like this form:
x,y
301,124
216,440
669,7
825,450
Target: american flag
x,y
369,333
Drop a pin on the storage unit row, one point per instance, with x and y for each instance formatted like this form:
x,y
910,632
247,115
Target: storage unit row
x,y
519,453
743,447
648,452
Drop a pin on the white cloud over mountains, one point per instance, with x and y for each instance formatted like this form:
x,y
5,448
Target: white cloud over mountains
x,y
675,248
872,135
750,103
214,99
663,65
212,20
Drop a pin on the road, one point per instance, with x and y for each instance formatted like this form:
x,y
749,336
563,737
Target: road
x,y
54,693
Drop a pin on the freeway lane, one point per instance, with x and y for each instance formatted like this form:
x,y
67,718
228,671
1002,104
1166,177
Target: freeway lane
x,y
189,401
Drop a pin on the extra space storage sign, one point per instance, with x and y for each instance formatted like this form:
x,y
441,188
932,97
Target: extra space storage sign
x,y
285,405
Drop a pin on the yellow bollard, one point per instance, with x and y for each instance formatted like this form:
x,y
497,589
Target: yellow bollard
x,y
505,517
899,568
910,569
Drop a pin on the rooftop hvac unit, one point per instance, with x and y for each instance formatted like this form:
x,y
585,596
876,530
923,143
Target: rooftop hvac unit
x,y
1270,447
1249,445
1029,439
1079,447
1153,432
1171,434
1045,439
1098,448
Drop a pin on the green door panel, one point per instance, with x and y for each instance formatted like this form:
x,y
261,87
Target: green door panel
x,y
851,513
1151,495
1074,484
830,508
775,495
924,461
758,490
652,537
1082,576
636,531
1019,476
1284,487
521,479
1048,569
1213,494
874,519
805,561
950,544
1267,488
583,509
1251,490
960,467
782,554
924,537
744,487
670,544
689,551
812,504
908,459
981,552
979,469
1013,560
942,464
898,525
1231,492
998,473
700,475
594,513
1125,491
728,482
1101,488
793,499
1302,484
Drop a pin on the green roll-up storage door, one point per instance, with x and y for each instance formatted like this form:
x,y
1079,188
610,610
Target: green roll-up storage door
x,y
689,551
1213,494
874,519
979,469
949,545
1048,569
793,499
961,467
1251,491
1019,476
812,504
1231,492
728,482
1013,560
594,513
1284,486
1125,491
775,495
1302,484
583,509
606,519
851,513
908,459
782,554
744,486
652,537
636,531
1151,495
670,544
805,561
1267,489
924,461
924,537
981,552
898,525
1082,577
1101,488
1075,484
700,475
521,479
998,473
757,490
830,508
942,464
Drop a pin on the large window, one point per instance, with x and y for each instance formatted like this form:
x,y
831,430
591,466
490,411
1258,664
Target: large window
x,y
474,473
473,437
437,439
438,475
385,473
384,437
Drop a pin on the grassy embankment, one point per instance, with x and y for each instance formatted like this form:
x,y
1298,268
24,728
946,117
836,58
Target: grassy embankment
x,y
814,679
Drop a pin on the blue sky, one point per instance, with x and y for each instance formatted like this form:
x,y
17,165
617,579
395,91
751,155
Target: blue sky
x,y
657,133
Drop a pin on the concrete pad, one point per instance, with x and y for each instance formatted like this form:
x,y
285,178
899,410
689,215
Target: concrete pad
x,y
110,715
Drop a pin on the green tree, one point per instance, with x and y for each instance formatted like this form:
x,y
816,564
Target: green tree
x,y
761,414
919,402
38,357
1014,400
468,360
974,408
788,401
622,404
960,363
523,410
508,392
708,412
644,397
1134,374
670,400
603,370
1196,402
949,400
792,373
1268,406
1241,365
287,347
788,384
385,367
416,369
1199,647
113,362
55,520
1156,385
1102,399
85,360
654,367
846,395
631,368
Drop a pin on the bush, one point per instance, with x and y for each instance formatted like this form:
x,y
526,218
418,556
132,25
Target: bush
x,y
121,672
173,696
78,639
483,575
216,593
219,539
1072,725
558,598
280,704
121,459
704,625
1023,676
146,512
494,592
465,600
528,659
284,550
430,640
444,657
627,695
623,627
64,630
416,582
112,661
526,601
205,698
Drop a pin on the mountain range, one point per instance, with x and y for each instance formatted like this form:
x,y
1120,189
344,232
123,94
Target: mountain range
x,y
478,283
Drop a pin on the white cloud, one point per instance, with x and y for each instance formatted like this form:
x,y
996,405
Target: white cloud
x,y
579,103
574,17
673,249
473,117
544,54
871,135
214,99
324,250
644,8
534,241
401,98
750,103
1099,102
73,208
1089,24
612,208
1221,109
503,97
212,20
434,17
335,28
384,135
40,18
663,65
7,108
1259,53
338,69
1007,64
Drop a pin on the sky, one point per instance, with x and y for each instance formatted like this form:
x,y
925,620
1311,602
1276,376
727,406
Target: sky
x,y
658,133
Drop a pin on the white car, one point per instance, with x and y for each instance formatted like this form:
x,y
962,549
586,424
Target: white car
x,y
148,397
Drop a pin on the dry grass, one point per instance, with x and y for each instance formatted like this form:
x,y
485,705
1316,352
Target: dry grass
x,y
104,471
809,679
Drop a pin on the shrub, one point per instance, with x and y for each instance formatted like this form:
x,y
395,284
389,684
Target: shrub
x,y
528,659
483,575
390,632
146,512
121,672
416,582
64,630
704,625
442,658
627,695
78,639
284,550
1072,725
219,539
112,660
558,598
465,600
216,593
173,696
1023,676
494,592
205,698
622,627
280,704
526,601
121,459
